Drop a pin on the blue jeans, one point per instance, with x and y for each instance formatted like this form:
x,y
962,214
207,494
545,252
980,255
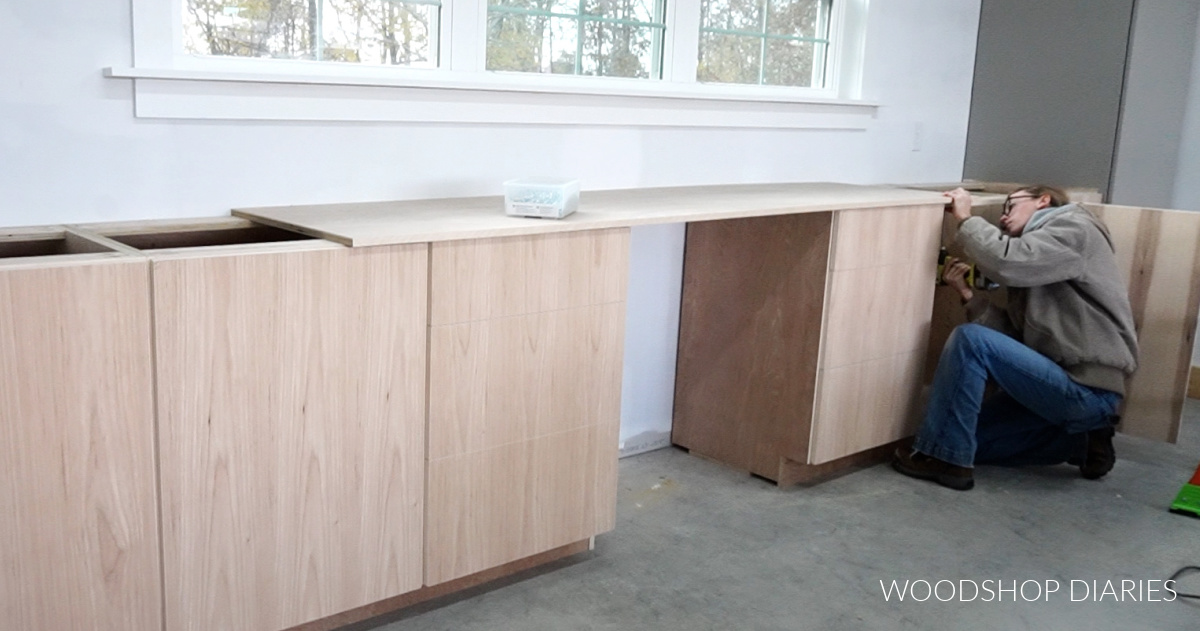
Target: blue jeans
x,y
1040,417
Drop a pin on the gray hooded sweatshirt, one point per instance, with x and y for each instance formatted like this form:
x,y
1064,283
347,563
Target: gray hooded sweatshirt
x,y
1066,299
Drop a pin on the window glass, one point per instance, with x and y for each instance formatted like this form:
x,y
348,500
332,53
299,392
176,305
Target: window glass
x,y
768,42
610,38
377,32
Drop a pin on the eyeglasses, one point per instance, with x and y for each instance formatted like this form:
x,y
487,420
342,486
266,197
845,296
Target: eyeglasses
x,y
1011,201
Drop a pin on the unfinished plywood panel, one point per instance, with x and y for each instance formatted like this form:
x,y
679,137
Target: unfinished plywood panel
x,y
526,344
78,514
876,328
749,332
291,393
1158,252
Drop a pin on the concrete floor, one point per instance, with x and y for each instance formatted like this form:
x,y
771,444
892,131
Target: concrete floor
x,y
700,546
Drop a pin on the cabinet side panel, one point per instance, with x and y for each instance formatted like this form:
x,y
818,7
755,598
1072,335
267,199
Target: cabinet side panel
x,y
291,402
78,517
749,336
1159,255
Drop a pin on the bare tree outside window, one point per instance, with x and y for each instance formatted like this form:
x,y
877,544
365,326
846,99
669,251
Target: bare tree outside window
x,y
608,38
765,42
379,32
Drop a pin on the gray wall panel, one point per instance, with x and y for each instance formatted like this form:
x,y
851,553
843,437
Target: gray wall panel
x,y
1156,92
1047,92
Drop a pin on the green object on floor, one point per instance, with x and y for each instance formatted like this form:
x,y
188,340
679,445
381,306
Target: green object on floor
x,y
1188,501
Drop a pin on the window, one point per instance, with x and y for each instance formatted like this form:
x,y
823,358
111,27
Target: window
x,y
793,64
758,42
608,38
380,32
764,42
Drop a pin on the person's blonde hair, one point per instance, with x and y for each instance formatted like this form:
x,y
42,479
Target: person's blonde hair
x,y
1058,197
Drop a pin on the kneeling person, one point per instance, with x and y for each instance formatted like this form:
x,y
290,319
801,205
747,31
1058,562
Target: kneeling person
x,y
1059,352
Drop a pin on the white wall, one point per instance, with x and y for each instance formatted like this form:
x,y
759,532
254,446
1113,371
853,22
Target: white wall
x,y
71,151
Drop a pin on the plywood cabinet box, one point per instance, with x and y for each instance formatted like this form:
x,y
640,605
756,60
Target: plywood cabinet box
x,y
78,515
802,337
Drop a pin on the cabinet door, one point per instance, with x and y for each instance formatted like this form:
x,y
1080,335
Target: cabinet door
x,y
78,535
291,423
883,268
526,342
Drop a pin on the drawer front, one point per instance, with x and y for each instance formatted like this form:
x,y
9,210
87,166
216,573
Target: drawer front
x,y
496,382
885,236
877,312
876,328
493,278
526,341
491,507
866,405
881,283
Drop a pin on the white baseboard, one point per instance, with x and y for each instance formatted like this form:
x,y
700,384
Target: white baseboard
x,y
646,441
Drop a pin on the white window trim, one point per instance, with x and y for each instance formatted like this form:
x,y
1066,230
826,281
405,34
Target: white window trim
x,y
170,84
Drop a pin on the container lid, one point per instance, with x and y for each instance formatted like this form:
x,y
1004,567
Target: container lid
x,y
540,180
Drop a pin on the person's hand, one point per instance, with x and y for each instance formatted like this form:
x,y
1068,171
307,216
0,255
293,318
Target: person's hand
x,y
954,272
959,204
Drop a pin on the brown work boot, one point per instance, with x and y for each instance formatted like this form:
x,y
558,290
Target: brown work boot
x,y
1100,456
918,465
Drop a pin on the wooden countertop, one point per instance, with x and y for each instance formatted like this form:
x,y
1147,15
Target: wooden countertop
x,y
385,223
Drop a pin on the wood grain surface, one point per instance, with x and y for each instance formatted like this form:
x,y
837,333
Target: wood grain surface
x,y
491,507
864,405
517,378
1159,254
449,219
876,329
492,278
749,338
526,348
384,610
291,397
78,514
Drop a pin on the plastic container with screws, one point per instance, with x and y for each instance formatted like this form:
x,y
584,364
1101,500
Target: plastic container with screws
x,y
549,198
